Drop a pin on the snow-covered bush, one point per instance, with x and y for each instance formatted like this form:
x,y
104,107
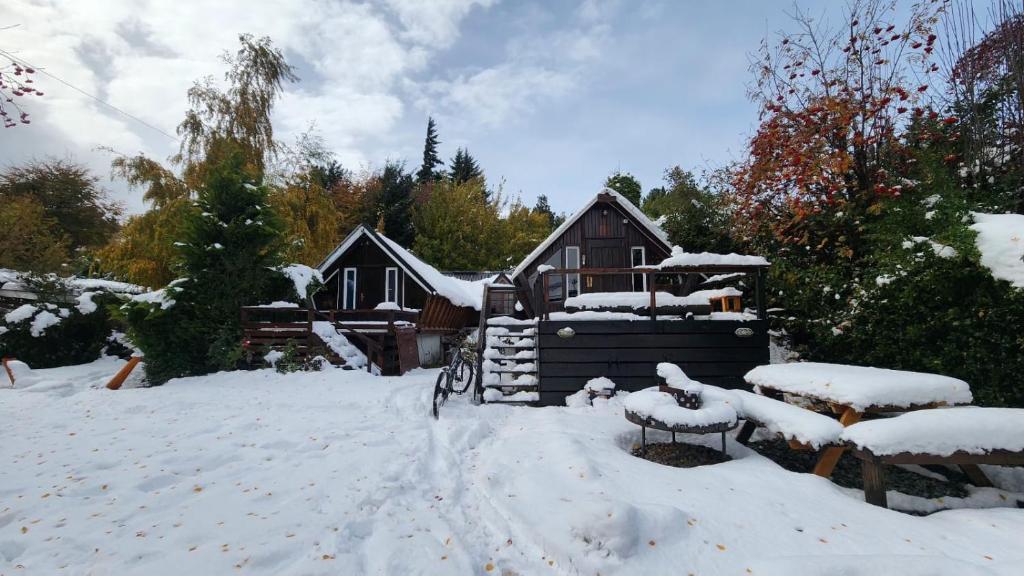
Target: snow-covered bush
x,y
46,335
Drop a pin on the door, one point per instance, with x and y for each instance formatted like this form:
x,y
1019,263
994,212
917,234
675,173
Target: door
x,y
606,254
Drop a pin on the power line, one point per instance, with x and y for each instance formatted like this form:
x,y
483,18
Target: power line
x,y
24,62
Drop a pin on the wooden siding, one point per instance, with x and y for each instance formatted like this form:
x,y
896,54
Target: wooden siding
x,y
371,264
628,353
605,235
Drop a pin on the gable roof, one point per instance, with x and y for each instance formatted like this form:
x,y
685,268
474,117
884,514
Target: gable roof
x,y
458,292
646,226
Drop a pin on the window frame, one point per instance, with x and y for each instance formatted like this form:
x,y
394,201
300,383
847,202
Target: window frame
x,y
633,264
345,290
387,279
572,279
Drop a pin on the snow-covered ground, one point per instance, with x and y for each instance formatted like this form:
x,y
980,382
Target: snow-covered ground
x,y
340,472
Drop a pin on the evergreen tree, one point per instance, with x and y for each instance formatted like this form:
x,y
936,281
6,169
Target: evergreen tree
x,y
544,207
626,184
394,200
431,159
229,256
465,168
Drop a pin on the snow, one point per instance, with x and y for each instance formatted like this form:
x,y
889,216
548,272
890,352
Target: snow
x,y
680,257
789,421
662,406
941,250
85,304
95,284
600,385
43,320
676,378
544,268
638,300
273,357
861,387
160,297
942,431
21,313
458,292
340,472
301,275
723,277
622,201
339,344
1001,243
278,304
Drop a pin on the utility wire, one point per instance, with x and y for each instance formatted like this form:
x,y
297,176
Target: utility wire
x,y
24,62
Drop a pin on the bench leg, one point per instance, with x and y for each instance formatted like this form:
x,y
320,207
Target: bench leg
x,y
830,456
724,453
976,476
746,432
874,482
643,441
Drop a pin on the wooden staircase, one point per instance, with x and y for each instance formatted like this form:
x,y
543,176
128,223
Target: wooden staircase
x,y
265,329
507,348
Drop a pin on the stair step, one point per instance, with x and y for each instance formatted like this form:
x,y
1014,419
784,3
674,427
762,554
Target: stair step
x,y
512,371
513,335
510,359
519,346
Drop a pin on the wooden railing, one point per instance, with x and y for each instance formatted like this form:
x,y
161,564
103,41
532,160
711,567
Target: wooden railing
x,y
649,274
298,323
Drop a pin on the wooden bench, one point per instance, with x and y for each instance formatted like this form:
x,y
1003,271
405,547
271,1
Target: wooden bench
x,y
873,467
803,429
964,437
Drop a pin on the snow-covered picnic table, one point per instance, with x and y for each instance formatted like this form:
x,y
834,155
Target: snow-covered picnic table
x,y
851,391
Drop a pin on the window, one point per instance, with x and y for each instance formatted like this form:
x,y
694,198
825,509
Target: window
x,y
554,280
572,262
391,285
348,301
638,257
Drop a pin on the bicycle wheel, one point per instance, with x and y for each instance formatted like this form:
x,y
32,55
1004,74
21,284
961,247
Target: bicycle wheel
x,y
440,393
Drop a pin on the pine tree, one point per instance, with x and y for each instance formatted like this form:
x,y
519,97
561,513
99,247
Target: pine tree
x,y
431,159
464,167
230,251
394,197
543,207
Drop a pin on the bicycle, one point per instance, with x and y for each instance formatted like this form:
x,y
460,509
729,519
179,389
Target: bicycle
x,y
460,370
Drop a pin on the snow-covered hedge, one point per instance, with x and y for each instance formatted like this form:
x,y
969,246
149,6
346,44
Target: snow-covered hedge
x,y
45,335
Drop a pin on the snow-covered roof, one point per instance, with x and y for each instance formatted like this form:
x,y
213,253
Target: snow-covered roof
x,y
1001,243
653,229
680,257
458,292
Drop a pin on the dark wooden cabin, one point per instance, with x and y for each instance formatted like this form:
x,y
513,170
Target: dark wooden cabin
x,y
608,232
543,351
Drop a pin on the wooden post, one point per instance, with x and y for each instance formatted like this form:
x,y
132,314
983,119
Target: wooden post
x,y
8,370
746,432
874,481
830,457
547,306
654,299
759,299
975,475
122,374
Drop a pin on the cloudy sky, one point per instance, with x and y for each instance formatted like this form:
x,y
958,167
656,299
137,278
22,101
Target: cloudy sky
x,y
551,96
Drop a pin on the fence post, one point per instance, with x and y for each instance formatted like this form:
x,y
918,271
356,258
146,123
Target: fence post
x,y
654,299
547,306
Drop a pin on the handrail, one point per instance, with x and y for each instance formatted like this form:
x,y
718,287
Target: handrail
x,y
758,271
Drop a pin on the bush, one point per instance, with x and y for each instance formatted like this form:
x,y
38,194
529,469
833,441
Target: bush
x,y
46,335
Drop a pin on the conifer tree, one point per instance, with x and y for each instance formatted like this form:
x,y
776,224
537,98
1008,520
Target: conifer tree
x,y
394,197
464,167
431,159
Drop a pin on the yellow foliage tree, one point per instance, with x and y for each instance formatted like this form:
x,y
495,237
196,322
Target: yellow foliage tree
x,y
457,230
29,240
310,221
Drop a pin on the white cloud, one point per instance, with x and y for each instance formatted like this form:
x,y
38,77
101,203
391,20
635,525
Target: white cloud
x,y
142,56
